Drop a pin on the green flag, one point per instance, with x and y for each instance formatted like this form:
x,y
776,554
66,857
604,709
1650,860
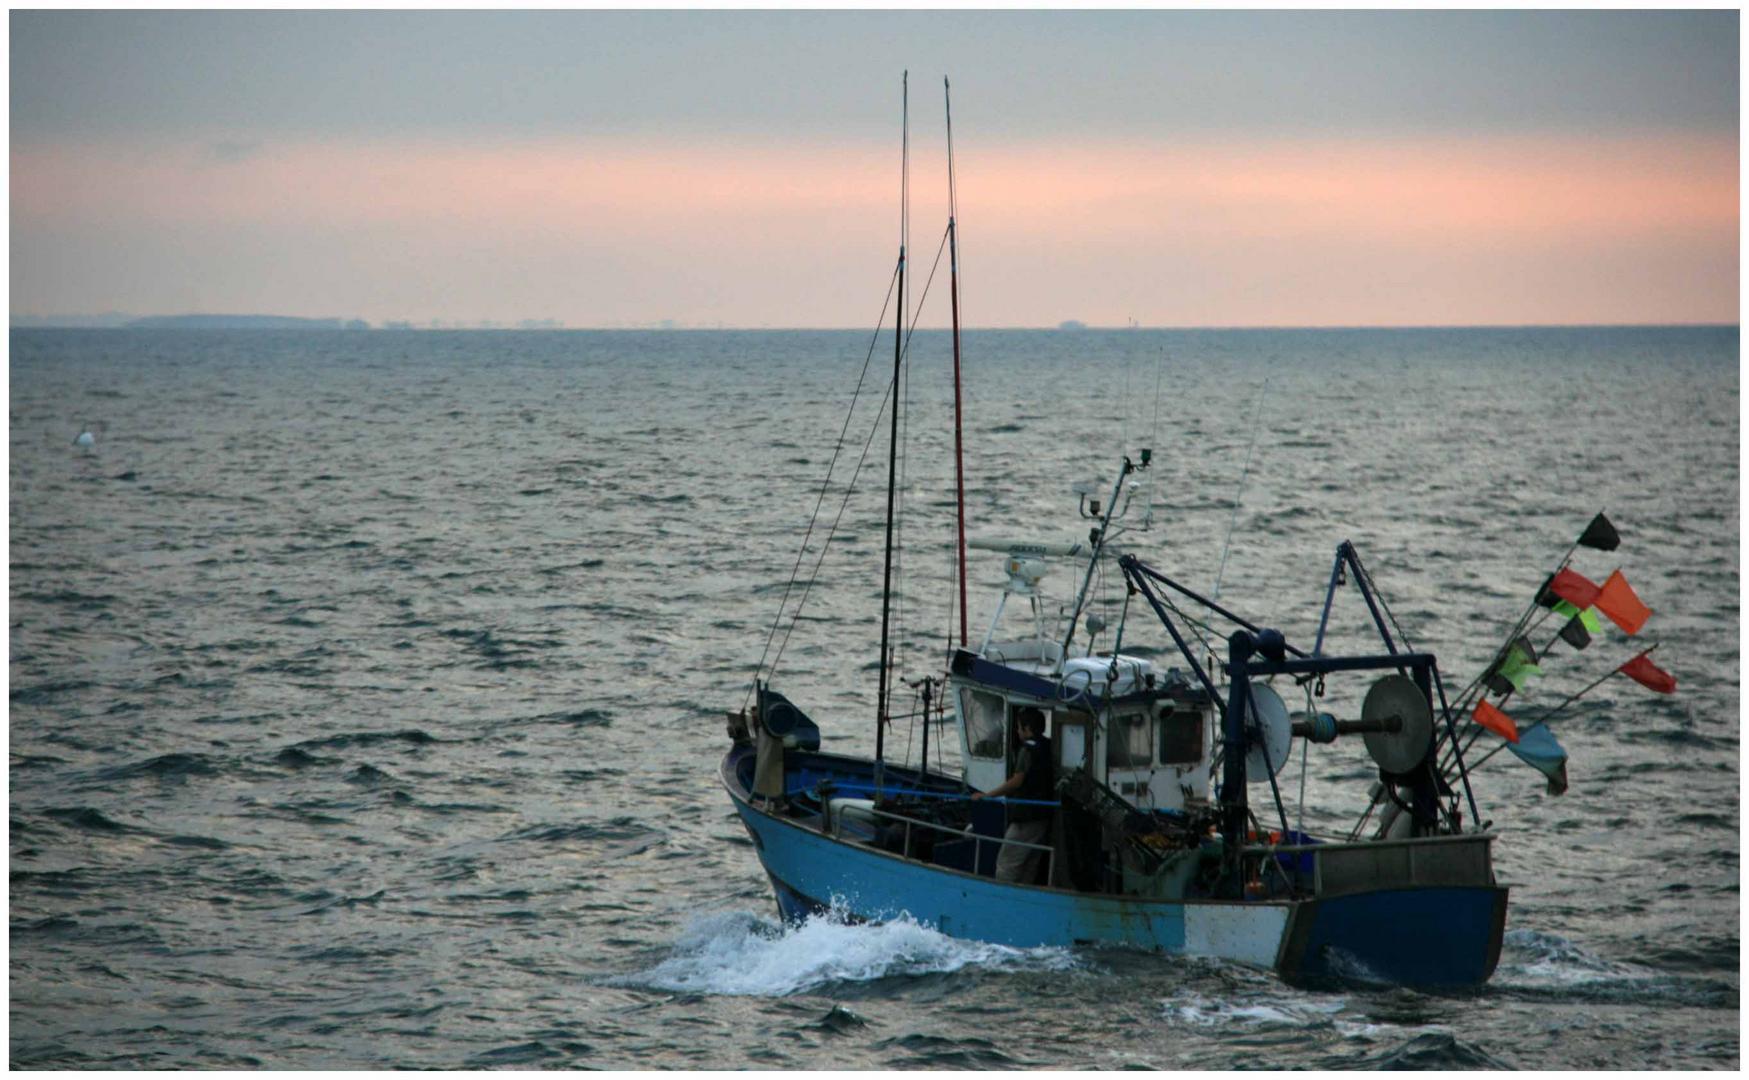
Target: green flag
x,y
1520,664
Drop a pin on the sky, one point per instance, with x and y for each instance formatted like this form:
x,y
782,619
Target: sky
x,y
742,169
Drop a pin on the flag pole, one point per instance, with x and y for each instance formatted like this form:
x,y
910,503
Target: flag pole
x,y
1466,697
1471,731
1474,731
1520,626
1542,721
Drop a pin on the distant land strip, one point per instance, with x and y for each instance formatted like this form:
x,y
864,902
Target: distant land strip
x,y
121,321
242,322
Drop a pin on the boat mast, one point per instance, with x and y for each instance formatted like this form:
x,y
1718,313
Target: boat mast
x,y
953,262
893,440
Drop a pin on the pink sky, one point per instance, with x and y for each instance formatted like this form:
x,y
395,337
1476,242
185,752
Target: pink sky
x,y
1487,229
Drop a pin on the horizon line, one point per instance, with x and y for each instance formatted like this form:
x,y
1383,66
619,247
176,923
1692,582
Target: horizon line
x,y
510,326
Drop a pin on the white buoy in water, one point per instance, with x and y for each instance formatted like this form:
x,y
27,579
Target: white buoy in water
x,y
85,440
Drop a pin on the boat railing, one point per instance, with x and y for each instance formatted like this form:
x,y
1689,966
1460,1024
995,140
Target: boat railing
x,y
978,839
1414,862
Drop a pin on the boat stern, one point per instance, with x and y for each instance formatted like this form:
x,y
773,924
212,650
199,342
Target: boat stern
x,y
1434,938
1426,912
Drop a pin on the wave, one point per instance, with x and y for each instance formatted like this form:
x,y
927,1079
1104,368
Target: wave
x,y
1551,958
87,818
1274,1007
36,761
575,718
617,839
203,843
837,1021
585,564
926,1051
368,775
165,766
293,758
414,737
70,597
69,882
1434,1050
1544,965
741,954
41,692
530,1052
327,901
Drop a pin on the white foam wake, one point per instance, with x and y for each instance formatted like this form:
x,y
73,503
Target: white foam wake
x,y
1283,1008
1201,1010
1544,958
737,953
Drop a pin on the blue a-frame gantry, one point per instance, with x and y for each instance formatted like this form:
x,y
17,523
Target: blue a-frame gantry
x,y
1254,652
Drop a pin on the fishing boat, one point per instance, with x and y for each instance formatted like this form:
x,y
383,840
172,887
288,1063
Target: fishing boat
x,y
1145,782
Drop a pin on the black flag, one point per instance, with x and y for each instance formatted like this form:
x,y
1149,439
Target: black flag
x,y
1575,634
1529,652
1600,534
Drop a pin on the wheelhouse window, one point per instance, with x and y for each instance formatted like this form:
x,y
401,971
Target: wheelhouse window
x,y
1128,745
984,715
1069,735
1180,736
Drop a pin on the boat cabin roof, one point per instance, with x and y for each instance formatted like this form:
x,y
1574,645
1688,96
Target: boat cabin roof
x,y
1030,669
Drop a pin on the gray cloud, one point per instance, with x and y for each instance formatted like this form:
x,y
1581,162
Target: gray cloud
x,y
782,74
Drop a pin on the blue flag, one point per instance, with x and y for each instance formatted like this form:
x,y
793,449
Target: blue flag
x,y
1536,747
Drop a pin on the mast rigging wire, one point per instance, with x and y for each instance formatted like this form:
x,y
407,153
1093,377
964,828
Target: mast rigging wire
x,y
905,458
837,449
1154,440
814,575
850,489
1256,430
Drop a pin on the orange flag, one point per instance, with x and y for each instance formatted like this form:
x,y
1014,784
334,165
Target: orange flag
x,y
1496,721
1617,600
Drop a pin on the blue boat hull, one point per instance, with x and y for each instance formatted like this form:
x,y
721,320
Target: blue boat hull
x,y
1417,937
1430,937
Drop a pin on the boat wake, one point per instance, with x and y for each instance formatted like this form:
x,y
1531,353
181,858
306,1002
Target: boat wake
x,y
1200,1010
1539,958
1324,1031
1535,964
738,953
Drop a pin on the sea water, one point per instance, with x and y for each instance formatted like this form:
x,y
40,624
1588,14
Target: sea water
x,y
367,687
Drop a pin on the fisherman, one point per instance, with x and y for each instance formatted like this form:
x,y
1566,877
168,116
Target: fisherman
x,y
1032,781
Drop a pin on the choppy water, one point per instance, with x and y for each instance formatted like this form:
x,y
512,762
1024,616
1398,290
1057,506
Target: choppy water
x,y
366,689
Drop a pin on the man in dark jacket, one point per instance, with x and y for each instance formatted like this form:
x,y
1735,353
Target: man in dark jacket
x,y
1032,781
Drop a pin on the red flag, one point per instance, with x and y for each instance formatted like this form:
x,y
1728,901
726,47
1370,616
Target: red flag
x,y
1617,600
1649,675
1574,588
1496,721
